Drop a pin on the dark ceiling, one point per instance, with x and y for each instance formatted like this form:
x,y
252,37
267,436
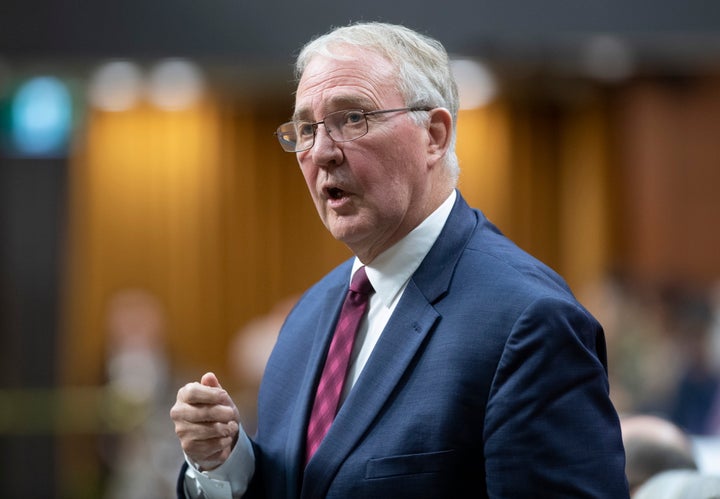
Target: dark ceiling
x,y
664,35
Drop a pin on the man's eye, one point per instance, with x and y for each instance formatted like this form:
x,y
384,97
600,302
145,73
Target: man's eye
x,y
353,117
305,129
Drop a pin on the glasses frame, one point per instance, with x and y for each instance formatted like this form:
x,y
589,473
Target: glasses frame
x,y
315,125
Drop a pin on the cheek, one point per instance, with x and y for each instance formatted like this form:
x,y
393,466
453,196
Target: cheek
x,y
310,176
397,169
401,150
387,192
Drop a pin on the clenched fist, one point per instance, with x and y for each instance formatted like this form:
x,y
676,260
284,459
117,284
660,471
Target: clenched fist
x,y
206,422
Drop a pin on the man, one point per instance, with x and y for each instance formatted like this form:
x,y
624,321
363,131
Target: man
x,y
652,445
475,372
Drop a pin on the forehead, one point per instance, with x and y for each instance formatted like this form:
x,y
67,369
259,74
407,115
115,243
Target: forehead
x,y
358,78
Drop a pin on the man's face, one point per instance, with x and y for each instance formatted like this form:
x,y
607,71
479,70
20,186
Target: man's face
x,y
372,191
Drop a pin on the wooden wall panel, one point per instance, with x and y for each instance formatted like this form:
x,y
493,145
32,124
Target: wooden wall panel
x,y
667,136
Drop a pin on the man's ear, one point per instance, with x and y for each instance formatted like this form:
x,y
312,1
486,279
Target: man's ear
x,y
439,133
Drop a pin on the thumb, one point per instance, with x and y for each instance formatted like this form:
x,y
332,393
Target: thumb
x,y
209,379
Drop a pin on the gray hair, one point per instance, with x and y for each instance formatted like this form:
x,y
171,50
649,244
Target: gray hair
x,y
422,63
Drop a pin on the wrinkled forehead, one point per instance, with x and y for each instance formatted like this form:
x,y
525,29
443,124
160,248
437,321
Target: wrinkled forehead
x,y
352,78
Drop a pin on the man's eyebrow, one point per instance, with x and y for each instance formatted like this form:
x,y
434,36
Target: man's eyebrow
x,y
339,103
301,115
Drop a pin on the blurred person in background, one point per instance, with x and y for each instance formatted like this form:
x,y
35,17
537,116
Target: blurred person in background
x,y
652,445
476,372
645,364
698,385
141,451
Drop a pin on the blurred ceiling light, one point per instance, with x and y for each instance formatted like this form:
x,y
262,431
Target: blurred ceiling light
x,y
476,83
607,58
175,84
41,117
116,86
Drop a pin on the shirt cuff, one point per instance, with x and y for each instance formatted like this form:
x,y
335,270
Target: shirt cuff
x,y
229,480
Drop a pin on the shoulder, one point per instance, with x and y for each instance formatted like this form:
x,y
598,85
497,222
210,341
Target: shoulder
x,y
485,256
493,262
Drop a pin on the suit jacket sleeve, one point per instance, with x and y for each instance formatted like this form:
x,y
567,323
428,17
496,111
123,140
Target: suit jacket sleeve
x,y
549,417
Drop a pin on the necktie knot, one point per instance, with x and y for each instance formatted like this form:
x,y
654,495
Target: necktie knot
x,y
360,282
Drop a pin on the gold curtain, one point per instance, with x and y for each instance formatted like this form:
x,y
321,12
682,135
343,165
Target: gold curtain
x,y
667,131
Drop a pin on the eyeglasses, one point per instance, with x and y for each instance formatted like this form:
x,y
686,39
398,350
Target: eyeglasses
x,y
341,126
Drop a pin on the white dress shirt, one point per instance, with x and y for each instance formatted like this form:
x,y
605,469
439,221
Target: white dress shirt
x,y
389,274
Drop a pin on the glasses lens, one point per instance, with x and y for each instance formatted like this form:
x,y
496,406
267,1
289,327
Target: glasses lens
x,y
287,136
346,125
304,135
296,137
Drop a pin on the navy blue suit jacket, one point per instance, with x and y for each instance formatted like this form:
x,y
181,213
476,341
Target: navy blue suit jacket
x,y
489,380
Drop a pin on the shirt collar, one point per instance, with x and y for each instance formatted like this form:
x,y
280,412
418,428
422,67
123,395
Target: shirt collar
x,y
392,269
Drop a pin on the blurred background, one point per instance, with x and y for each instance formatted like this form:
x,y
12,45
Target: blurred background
x,y
151,228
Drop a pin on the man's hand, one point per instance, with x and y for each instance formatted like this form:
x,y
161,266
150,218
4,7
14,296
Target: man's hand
x,y
206,422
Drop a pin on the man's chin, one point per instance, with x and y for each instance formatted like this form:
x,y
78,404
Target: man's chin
x,y
344,229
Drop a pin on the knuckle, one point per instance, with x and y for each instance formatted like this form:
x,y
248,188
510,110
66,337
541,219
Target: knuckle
x,y
175,412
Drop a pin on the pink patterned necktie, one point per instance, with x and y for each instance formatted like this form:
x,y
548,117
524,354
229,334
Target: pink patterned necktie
x,y
327,397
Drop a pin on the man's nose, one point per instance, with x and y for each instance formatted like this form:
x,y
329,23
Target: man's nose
x,y
325,151
322,136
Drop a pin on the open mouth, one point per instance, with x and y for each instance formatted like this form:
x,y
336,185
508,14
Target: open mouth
x,y
335,193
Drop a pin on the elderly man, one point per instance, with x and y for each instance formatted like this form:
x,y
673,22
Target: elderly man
x,y
474,372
